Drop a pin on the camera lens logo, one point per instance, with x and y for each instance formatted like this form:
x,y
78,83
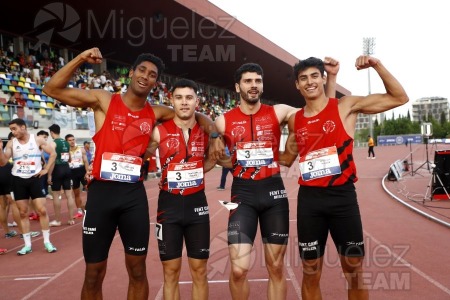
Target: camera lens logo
x,y
58,18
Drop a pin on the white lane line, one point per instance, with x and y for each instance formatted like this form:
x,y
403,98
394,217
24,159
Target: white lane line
x,y
412,207
409,265
57,275
294,280
32,278
226,281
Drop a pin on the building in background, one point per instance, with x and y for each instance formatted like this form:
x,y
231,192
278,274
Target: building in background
x,y
430,106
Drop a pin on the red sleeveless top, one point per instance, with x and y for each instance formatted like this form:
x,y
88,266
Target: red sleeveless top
x,y
173,149
320,132
263,126
123,132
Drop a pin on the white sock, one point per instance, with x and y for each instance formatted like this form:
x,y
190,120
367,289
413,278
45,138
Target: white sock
x,y
27,239
80,210
46,235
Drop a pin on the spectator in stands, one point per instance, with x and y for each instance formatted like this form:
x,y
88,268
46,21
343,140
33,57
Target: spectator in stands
x,y
12,103
61,62
108,86
36,74
12,100
21,100
103,78
96,82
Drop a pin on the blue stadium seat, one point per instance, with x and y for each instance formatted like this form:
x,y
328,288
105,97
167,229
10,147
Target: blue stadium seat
x,y
5,116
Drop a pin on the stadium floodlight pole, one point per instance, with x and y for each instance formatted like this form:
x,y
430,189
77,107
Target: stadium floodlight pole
x,y
368,48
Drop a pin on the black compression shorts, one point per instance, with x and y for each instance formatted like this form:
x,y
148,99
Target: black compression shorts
x,y
182,216
61,178
26,188
77,177
265,200
115,205
5,179
329,209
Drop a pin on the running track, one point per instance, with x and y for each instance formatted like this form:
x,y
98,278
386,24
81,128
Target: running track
x,y
406,254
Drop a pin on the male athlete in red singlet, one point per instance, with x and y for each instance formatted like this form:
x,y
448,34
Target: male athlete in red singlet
x,y
252,133
117,197
183,212
322,134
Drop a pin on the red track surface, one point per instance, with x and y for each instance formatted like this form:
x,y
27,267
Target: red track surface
x,y
406,253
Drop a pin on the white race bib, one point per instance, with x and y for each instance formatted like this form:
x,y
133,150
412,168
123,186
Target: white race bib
x,y
26,167
120,167
65,156
185,175
254,154
320,163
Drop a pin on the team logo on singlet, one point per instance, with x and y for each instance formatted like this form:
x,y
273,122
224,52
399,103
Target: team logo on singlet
x,y
238,130
173,143
328,126
302,135
145,128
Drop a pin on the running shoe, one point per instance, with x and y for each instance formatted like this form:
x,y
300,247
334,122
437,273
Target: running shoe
x,y
50,248
3,250
32,234
35,233
10,234
78,215
54,223
71,222
25,250
13,224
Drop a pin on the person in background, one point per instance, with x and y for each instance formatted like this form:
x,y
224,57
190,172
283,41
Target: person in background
x,y
87,149
61,177
79,166
45,157
371,145
225,171
6,202
25,150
